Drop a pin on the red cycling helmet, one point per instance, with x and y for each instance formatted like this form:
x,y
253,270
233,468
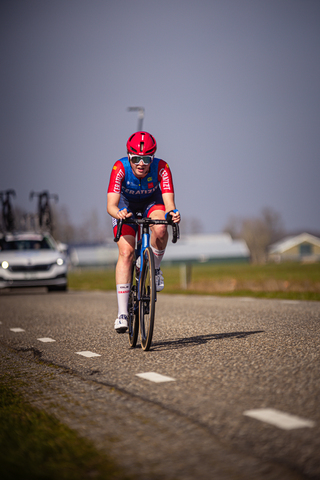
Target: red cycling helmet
x,y
142,143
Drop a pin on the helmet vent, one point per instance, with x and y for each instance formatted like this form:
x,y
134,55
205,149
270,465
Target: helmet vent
x,y
141,146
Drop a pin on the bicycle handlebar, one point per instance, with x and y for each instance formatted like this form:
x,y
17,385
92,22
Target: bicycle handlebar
x,y
148,221
45,194
7,193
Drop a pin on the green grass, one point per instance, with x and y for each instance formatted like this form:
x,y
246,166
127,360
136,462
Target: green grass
x,y
96,279
34,445
285,280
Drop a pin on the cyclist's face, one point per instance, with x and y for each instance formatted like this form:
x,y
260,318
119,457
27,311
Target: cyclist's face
x,y
140,170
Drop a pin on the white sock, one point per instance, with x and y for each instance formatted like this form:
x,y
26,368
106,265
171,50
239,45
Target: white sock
x,y
158,256
123,291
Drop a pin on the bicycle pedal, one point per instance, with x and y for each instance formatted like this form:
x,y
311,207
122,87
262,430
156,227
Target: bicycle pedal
x,y
121,330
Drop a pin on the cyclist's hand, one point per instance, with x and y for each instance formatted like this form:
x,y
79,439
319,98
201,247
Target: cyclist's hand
x,y
175,214
123,213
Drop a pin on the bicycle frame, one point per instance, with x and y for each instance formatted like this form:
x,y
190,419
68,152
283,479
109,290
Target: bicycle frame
x,y
142,243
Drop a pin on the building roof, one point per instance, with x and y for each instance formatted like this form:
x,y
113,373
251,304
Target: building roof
x,y
202,248
290,242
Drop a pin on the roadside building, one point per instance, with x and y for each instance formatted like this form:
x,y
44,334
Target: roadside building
x,y
299,248
214,248
92,256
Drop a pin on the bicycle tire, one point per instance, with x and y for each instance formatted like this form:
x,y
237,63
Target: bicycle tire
x,y
133,309
147,299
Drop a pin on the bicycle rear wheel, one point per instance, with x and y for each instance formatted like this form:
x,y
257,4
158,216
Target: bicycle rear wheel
x,y
133,309
147,299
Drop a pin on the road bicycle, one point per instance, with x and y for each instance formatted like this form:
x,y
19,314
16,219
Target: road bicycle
x,y
143,295
8,222
44,209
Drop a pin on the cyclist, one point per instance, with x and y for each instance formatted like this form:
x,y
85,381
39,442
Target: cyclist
x,y
139,183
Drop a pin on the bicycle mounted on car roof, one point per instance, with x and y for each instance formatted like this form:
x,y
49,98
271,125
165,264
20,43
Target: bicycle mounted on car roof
x,y
143,295
8,221
44,209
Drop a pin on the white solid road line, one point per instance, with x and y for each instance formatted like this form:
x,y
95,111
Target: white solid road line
x,y
16,330
88,354
155,377
46,339
282,420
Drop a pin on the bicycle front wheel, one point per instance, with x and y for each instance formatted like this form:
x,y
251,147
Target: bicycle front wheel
x,y
133,309
147,299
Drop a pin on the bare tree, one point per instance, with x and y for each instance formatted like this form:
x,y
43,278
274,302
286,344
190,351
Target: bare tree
x,y
89,231
63,229
191,225
233,227
274,224
258,232
256,235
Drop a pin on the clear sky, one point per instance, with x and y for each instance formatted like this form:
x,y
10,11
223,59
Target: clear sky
x,y
231,91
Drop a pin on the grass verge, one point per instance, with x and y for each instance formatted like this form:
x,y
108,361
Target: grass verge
x,y
292,281
35,445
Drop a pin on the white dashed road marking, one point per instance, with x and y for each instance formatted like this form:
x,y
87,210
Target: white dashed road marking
x,y
155,377
290,302
274,417
88,354
282,420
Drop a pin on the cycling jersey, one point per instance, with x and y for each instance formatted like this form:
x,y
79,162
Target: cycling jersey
x,y
123,180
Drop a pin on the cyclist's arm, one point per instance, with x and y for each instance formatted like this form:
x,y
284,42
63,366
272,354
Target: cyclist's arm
x,y
168,200
112,206
114,190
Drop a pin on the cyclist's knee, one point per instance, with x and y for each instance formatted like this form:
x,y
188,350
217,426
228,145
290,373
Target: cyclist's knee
x,y
126,253
159,231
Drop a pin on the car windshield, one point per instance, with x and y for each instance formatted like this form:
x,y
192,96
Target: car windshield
x,y
26,245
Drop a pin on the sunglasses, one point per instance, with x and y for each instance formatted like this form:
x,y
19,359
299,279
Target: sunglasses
x,y
136,159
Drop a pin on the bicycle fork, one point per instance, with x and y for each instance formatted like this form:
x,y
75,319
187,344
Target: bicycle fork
x,y
142,245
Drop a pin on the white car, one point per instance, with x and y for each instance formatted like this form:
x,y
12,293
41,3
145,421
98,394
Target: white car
x,y
32,260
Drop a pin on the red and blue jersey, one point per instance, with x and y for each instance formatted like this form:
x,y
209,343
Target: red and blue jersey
x,y
123,180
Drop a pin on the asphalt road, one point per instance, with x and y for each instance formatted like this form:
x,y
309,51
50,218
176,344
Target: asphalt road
x,y
220,361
